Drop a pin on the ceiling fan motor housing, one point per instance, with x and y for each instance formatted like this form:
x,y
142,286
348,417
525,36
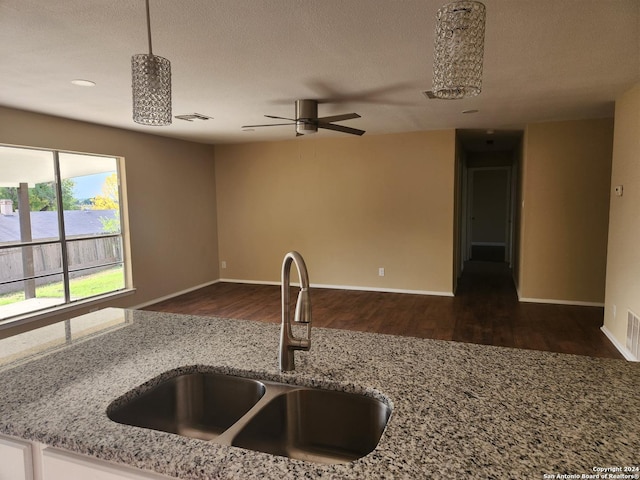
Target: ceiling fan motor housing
x,y
306,116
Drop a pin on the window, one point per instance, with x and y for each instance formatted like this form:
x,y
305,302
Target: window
x,y
60,229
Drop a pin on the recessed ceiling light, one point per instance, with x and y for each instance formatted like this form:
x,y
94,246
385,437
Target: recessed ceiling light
x,y
470,111
83,83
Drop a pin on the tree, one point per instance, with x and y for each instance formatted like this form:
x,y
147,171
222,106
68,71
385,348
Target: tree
x,y
42,197
109,200
10,193
69,202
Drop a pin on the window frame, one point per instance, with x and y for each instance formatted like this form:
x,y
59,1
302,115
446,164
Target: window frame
x,y
63,240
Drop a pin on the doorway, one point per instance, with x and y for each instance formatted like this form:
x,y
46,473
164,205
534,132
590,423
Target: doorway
x,y
486,190
488,214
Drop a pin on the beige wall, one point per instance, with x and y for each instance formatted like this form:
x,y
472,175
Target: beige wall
x,y
623,266
348,205
171,197
489,159
459,225
352,205
565,210
517,213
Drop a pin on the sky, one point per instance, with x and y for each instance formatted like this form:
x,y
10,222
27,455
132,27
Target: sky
x,y
89,186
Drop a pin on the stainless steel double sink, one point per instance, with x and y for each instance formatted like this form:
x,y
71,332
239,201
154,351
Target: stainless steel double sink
x,y
311,424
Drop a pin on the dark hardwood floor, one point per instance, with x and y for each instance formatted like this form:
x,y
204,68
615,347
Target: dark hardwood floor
x,y
485,310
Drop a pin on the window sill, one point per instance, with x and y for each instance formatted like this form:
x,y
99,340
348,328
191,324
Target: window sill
x,y
41,315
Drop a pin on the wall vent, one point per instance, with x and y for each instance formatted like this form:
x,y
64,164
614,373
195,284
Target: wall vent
x,y
633,334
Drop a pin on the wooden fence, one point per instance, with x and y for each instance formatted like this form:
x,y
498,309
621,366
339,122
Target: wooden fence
x,y
47,259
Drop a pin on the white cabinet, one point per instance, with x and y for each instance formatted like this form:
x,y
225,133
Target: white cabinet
x,y
23,460
62,465
16,459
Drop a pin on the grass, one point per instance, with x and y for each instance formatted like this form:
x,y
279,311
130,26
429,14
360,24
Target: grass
x,y
81,287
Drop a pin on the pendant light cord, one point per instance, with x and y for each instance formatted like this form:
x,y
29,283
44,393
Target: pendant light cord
x,y
149,29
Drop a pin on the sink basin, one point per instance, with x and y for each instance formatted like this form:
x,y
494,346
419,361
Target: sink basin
x,y
311,424
198,405
322,426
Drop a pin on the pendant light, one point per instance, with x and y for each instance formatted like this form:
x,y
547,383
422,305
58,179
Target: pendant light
x,y
459,50
151,86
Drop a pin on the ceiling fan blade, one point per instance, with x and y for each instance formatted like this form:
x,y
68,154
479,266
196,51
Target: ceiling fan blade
x,y
281,118
340,128
338,118
267,125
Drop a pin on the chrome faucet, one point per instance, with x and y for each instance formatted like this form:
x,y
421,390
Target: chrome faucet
x,y
289,343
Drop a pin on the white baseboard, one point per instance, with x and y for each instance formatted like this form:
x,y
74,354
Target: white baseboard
x,y
621,348
385,290
250,282
557,302
347,287
172,295
553,301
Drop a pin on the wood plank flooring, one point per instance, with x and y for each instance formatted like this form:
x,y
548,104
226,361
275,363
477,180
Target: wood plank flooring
x,y
485,310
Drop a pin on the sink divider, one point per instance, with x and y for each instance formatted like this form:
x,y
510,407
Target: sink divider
x,y
272,390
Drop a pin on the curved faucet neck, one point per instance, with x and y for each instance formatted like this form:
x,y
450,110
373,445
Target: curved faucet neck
x,y
296,258
288,342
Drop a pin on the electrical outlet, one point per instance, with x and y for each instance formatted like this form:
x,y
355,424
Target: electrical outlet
x,y
381,272
223,264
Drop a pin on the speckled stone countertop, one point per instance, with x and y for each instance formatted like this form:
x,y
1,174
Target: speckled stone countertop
x,y
459,410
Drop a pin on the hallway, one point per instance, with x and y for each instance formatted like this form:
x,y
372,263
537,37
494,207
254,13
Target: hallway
x,y
484,311
488,312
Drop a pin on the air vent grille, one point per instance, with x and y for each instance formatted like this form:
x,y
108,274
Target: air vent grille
x,y
192,116
633,334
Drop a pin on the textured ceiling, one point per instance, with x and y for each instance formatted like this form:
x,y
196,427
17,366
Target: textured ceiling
x,y
236,60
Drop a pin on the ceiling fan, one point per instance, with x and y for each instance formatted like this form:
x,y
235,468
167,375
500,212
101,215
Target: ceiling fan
x,y
307,120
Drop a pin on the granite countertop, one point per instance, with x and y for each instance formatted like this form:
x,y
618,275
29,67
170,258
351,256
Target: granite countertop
x,y
459,410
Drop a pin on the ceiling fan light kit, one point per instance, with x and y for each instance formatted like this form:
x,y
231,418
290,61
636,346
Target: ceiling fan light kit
x,y
459,50
151,86
306,110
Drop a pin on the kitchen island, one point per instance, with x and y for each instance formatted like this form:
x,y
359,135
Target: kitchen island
x,y
458,410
